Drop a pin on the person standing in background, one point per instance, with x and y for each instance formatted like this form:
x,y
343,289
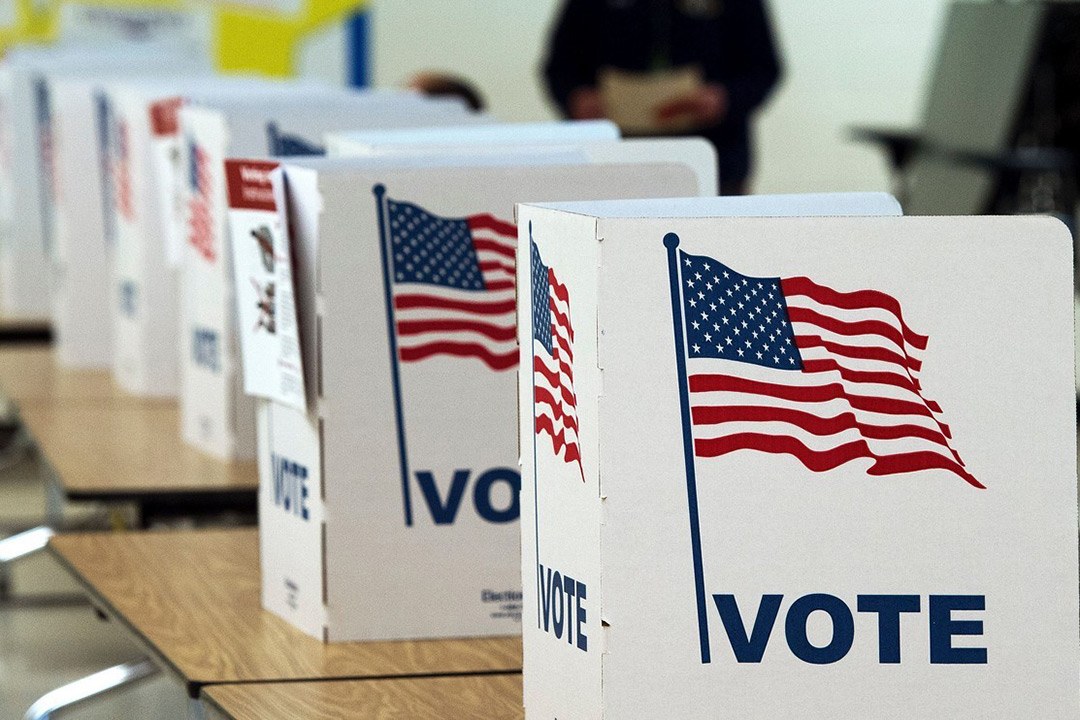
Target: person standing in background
x,y
693,67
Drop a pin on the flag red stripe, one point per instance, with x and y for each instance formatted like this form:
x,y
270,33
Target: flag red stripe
x,y
816,460
822,460
494,285
850,329
805,342
408,302
564,346
545,424
490,222
864,376
808,393
419,327
459,349
561,320
557,288
554,381
494,247
566,369
858,300
925,460
545,397
813,424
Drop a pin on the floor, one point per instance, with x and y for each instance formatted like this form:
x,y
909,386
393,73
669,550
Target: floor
x,y
43,646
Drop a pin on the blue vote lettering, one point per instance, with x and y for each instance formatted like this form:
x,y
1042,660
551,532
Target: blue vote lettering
x,y
562,606
749,647
290,486
205,349
444,509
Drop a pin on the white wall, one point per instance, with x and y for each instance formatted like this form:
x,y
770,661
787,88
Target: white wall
x,y
495,43
848,62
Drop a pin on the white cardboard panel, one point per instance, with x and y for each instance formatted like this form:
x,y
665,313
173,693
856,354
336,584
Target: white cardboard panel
x,y
368,141
143,150
216,414
452,563
25,169
81,286
769,525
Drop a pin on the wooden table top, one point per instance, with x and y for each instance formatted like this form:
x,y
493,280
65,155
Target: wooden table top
x,y
29,373
476,696
107,451
192,599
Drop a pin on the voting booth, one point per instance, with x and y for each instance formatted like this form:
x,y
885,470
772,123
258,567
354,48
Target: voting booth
x,y
26,166
388,460
143,150
696,153
375,142
787,467
216,415
73,206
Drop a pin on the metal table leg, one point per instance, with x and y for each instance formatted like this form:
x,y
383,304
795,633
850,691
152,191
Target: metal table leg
x,y
90,687
25,543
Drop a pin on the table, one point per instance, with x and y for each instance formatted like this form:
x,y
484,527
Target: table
x,y
477,696
191,599
29,373
134,453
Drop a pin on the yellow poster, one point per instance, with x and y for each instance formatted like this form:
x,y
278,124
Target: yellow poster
x,y
250,35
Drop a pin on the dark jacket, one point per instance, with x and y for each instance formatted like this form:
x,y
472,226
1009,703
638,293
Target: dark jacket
x,y
731,40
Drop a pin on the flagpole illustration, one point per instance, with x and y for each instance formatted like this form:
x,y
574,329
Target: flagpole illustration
x,y
384,243
671,242
532,369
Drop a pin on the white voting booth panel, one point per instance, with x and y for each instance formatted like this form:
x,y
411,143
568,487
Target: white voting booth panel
x,y
143,151
216,415
25,166
796,467
80,280
696,153
402,481
373,142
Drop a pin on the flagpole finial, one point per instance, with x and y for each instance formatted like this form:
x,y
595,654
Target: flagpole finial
x,y
379,190
671,241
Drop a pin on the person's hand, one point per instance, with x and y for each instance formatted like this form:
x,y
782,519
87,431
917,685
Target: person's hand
x,y
708,106
585,104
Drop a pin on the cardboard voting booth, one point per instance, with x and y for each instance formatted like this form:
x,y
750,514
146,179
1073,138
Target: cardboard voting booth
x,y
73,206
143,148
388,508
373,142
25,167
216,415
812,467
696,153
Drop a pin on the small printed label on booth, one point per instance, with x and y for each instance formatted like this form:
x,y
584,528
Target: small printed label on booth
x,y
164,116
262,266
249,185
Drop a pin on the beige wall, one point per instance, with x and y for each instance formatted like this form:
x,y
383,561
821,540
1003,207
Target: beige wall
x,y
848,62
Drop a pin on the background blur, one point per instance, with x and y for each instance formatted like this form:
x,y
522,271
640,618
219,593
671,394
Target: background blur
x,y
847,62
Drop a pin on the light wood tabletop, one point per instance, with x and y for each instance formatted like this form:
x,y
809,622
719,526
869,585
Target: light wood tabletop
x,y
478,696
192,600
117,452
29,373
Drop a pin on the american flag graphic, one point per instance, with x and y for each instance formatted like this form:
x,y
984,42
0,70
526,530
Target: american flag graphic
x,y
553,362
453,285
785,365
